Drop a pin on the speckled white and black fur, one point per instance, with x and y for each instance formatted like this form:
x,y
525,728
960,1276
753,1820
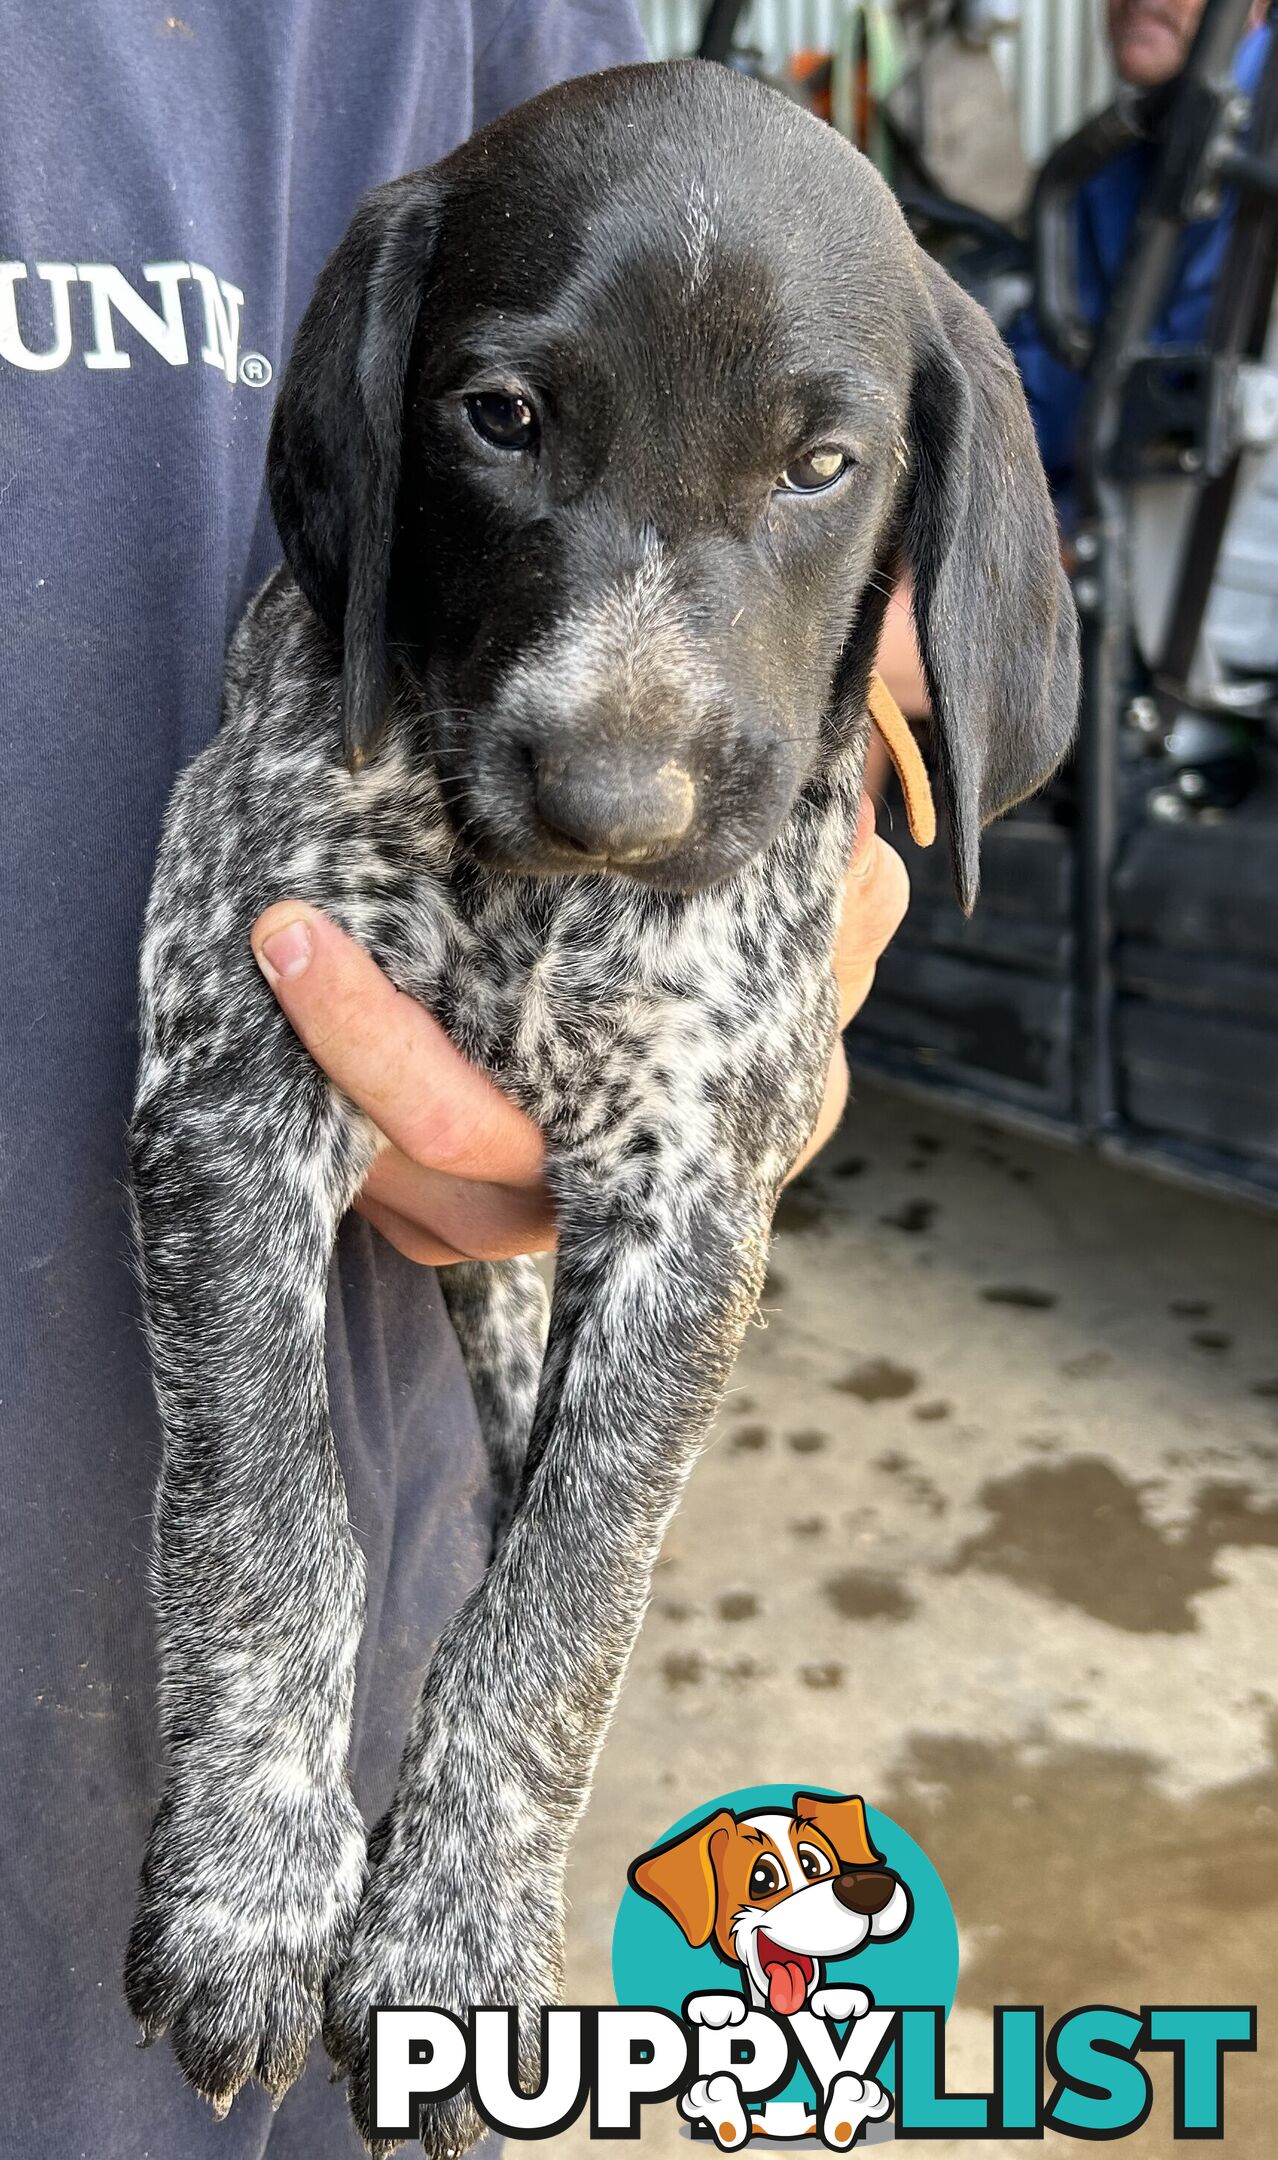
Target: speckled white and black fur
x,y
447,627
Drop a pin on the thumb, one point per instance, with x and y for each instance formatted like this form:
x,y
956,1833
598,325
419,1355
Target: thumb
x,y
388,1054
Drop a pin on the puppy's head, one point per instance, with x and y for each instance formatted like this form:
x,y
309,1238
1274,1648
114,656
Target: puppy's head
x,y
778,1892
613,431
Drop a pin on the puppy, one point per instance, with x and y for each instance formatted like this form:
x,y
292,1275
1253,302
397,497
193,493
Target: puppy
x,y
599,449
777,1892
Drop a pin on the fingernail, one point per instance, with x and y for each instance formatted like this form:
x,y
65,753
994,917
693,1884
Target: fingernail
x,y
286,953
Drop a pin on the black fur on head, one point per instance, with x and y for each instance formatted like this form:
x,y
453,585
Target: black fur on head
x,y
632,644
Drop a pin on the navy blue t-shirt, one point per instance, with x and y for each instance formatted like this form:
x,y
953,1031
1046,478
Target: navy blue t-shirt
x,y
170,185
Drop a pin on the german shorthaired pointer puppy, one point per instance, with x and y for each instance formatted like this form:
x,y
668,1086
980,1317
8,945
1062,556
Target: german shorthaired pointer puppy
x,y
600,447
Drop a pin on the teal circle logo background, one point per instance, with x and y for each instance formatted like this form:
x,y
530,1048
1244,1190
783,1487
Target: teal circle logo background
x,y
653,1964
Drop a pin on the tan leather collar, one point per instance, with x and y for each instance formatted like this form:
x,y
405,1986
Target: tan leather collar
x,y
906,756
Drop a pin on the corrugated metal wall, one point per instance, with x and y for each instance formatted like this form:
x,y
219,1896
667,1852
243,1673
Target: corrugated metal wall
x,y
1057,66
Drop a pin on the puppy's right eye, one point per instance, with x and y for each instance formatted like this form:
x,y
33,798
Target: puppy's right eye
x,y
503,418
765,1877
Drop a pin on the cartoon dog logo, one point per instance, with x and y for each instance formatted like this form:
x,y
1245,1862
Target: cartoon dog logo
x,y
778,1893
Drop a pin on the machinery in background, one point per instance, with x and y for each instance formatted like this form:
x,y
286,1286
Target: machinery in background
x,y
1119,981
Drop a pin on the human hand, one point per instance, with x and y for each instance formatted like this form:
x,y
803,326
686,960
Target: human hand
x,y
876,893
464,1175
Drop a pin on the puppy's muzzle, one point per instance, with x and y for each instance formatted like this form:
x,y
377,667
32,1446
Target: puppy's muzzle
x,y
613,806
864,1890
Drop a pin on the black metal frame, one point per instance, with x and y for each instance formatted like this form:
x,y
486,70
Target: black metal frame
x,y
719,28
1201,124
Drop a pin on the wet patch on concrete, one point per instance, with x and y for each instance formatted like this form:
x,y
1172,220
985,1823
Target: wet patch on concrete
x,y
681,1669
1077,1880
878,1380
916,1485
913,1216
1079,1532
737,1605
799,1208
1086,1364
809,1441
867,1594
1022,1297
926,1494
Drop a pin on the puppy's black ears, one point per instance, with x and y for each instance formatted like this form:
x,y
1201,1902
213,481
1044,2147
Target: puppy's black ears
x,y
334,457
993,609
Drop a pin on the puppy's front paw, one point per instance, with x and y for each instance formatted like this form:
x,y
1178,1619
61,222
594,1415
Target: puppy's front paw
x,y
245,1907
715,2010
437,1932
840,2003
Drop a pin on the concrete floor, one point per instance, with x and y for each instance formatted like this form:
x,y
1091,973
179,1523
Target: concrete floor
x,y
989,1533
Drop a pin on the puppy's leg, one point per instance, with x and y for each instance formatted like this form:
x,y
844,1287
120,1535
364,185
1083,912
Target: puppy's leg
x,y
244,1159
499,1310
464,1903
717,2102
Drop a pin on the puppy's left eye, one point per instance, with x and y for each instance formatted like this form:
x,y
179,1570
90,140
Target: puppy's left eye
x,y
816,470
503,418
814,1862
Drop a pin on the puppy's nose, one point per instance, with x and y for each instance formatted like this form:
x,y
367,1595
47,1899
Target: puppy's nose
x,y
864,1890
618,809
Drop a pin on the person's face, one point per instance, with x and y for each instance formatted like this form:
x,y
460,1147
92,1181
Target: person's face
x,y
1151,38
